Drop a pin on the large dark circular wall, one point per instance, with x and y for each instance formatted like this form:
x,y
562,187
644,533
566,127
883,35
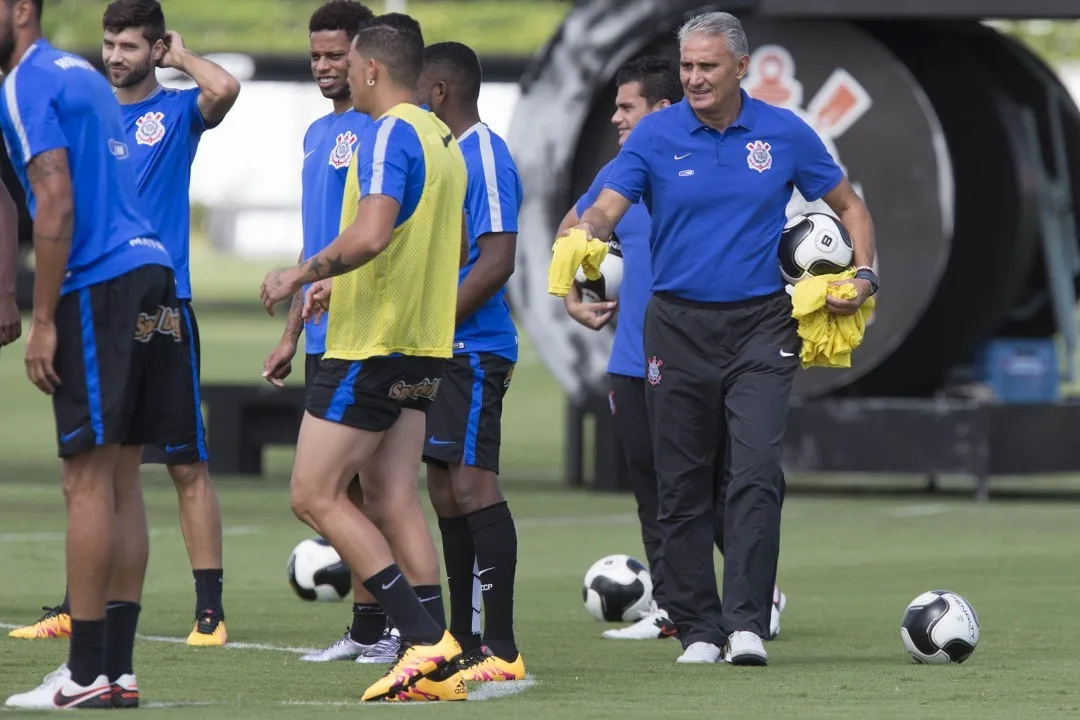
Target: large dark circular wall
x,y
927,129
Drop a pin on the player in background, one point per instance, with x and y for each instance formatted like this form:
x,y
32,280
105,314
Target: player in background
x,y
644,85
390,333
163,127
330,145
10,319
464,423
106,327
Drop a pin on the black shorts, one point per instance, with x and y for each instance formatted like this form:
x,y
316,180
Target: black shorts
x,y
189,445
370,394
464,425
116,342
311,370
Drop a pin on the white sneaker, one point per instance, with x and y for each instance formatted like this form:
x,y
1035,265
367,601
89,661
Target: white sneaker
x,y
653,625
779,602
384,652
344,649
700,652
745,648
59,692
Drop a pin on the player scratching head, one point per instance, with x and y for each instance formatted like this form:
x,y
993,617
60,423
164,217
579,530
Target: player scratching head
x,y
133,41
384,67
450,85
644,85
20,27
331,30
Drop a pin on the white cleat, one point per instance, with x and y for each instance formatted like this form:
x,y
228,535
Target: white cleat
x,y
384,652
779,602
746,648
59,692
344,649
700,652
653,625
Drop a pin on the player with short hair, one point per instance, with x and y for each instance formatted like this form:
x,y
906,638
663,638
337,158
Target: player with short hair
x,y
330,144
390,332
464,422
106,326
643,86
163,129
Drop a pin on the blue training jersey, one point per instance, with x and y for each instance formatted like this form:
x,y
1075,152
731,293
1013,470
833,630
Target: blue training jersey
x,y
329,145
53,100
163,132
627,352
492,202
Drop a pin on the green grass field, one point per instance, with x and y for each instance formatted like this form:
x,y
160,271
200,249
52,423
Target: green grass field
x,y
848,565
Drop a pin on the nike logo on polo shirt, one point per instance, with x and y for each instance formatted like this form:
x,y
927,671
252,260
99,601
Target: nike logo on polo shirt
x,y
680,157
785,354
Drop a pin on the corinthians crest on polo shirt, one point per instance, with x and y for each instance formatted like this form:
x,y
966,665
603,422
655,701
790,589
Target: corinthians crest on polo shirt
x,y
150,128
341,155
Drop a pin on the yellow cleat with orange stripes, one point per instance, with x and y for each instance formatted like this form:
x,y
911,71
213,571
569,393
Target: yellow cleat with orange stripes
x,y
413,665
55,623
488,667
209,630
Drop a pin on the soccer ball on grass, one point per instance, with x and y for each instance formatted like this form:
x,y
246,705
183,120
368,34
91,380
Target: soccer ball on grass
x,y
940,627
617,588
316,571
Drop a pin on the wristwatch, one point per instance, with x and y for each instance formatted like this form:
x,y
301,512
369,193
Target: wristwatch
x,y
865,272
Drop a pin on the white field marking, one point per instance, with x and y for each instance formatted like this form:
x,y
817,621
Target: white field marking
x,y
478,692
154,532
181,641
538,522
918,510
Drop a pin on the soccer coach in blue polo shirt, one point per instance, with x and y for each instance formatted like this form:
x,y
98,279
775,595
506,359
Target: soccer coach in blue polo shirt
x,y
716,172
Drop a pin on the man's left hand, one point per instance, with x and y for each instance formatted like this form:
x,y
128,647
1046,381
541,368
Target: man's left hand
x,y
278,285
840,306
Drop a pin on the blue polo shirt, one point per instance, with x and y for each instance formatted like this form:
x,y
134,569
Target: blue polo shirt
x,y
718,199
628,350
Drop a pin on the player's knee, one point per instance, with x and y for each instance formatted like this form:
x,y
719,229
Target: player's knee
x,y
475,489
441,491
307,504
86,483
188,477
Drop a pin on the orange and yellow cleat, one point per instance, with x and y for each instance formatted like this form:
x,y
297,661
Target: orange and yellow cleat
x,y
55,623
209,631
488,667
415,664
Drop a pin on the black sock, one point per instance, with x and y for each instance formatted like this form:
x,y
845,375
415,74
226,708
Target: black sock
x,y
122,617
368,623
431,598
65,607
495,540
208,586
86,655
460,560
396,596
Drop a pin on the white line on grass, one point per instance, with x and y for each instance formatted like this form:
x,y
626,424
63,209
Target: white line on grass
x,y
181,641
918,510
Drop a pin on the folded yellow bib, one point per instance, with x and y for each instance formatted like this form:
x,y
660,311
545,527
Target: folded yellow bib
x,y
569,253
827,338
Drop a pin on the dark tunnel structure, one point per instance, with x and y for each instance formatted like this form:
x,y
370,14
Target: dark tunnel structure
x,y
966,148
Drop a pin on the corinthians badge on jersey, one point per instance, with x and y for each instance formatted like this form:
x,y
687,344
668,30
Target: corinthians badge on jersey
x,y
151,128
342,153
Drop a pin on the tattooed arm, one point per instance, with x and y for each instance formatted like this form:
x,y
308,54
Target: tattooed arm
x,y
50,181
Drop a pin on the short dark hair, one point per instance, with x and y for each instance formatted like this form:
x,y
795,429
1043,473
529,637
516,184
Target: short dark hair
x,y
401,21
456,63
39,5
658,77
401,51
345,15
144,14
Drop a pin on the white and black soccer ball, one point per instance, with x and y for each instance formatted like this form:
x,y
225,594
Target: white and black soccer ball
x,y
611,274
940,627
813,244
617,588
316,571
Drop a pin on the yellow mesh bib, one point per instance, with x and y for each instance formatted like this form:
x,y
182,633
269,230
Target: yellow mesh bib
x,y
405,300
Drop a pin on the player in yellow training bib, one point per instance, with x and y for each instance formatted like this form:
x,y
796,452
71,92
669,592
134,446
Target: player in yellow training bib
x,y
391,329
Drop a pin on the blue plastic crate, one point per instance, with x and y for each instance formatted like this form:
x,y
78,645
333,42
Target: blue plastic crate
x,y
1020,370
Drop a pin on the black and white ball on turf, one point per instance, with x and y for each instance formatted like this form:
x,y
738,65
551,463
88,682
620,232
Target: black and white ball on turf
x,y
813,244
316,571
611,273
940,627
617,588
